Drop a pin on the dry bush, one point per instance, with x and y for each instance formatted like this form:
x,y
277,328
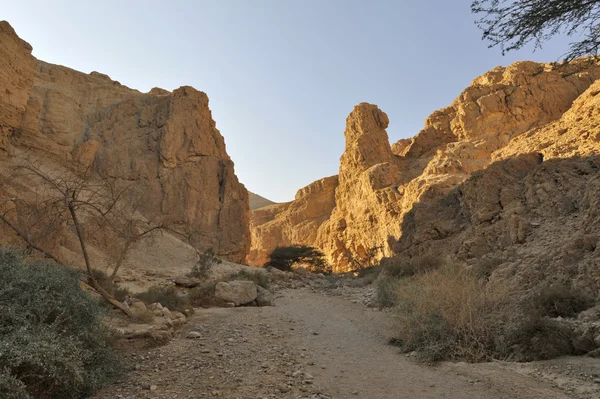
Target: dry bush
x,y
400,268
386,288
203,295
206,260
446,314
561,301
167,296
450,313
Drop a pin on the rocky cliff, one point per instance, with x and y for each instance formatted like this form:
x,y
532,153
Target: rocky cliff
x,y
163,143
526,107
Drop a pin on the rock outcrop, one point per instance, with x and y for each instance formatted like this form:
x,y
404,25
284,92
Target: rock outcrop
x,y
165,144
507,112
295,222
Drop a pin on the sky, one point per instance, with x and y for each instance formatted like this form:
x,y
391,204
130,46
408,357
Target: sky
x,y
281,75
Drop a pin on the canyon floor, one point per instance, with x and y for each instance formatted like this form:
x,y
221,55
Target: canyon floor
x,y
312,345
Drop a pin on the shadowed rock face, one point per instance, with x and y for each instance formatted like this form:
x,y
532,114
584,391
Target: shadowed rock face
x,y
521,109
163,143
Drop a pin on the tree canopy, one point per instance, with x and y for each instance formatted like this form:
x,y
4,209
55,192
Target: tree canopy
x,y
283,258
512,24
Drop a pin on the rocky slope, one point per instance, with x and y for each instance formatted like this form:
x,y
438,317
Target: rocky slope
x,y
526,107
256,201
165,144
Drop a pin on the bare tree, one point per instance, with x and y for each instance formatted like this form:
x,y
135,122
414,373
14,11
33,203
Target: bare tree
x,y
63,197
511,24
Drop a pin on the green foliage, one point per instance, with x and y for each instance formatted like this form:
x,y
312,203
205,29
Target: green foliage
x,y
165,295
283,258
120,293
512,24
561,301
203,295
52,341
385,289
206,261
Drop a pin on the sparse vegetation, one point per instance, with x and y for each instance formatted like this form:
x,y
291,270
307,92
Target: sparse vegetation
x,y
206,260
120,293
53,342
451,313
561,301
368,260
165,295
400,268
513,24
203,295
283,258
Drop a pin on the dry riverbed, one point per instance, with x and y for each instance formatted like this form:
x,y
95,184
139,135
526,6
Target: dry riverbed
x,y
315,346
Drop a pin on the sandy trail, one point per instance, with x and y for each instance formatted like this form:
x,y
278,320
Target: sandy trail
x,y
313,346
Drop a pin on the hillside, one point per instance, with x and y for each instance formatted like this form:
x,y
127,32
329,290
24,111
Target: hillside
x,y
256,201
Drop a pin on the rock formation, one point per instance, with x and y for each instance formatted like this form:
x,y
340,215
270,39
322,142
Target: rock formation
x,y
295,222
163,143
507,112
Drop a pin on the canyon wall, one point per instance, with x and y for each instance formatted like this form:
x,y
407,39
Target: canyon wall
x,y
164,144
507,112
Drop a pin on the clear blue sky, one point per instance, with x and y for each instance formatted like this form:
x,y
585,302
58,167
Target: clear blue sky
x,y
281,75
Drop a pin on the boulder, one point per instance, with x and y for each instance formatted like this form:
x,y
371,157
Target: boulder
x,y
264,297
236,292
188,282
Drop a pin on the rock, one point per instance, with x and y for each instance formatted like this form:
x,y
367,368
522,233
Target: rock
x,y
165,145
138,308
193,335
236,292
264,297
188,282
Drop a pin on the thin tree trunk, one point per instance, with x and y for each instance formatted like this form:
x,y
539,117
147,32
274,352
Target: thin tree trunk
x,y
88,265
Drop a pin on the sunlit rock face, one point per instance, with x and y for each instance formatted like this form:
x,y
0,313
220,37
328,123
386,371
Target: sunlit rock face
x,y
507,112
166,144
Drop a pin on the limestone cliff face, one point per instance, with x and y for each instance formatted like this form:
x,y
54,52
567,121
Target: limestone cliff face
x,y
295,222
522,221
526,107
166,144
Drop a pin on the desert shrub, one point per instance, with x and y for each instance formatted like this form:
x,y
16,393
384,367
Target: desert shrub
x,y
444,314
484,267
206,260
385,289
400,268
256,277
450,313
203,295
53,343
369,259
558,300
120,293
283,258
11,387
165,295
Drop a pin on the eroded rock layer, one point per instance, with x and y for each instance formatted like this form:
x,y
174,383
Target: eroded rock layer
x,y
166,144
507,112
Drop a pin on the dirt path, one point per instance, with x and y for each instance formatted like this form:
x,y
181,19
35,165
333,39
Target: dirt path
x,y
315,346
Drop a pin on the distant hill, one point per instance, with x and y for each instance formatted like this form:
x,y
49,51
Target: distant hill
x,y
256,201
